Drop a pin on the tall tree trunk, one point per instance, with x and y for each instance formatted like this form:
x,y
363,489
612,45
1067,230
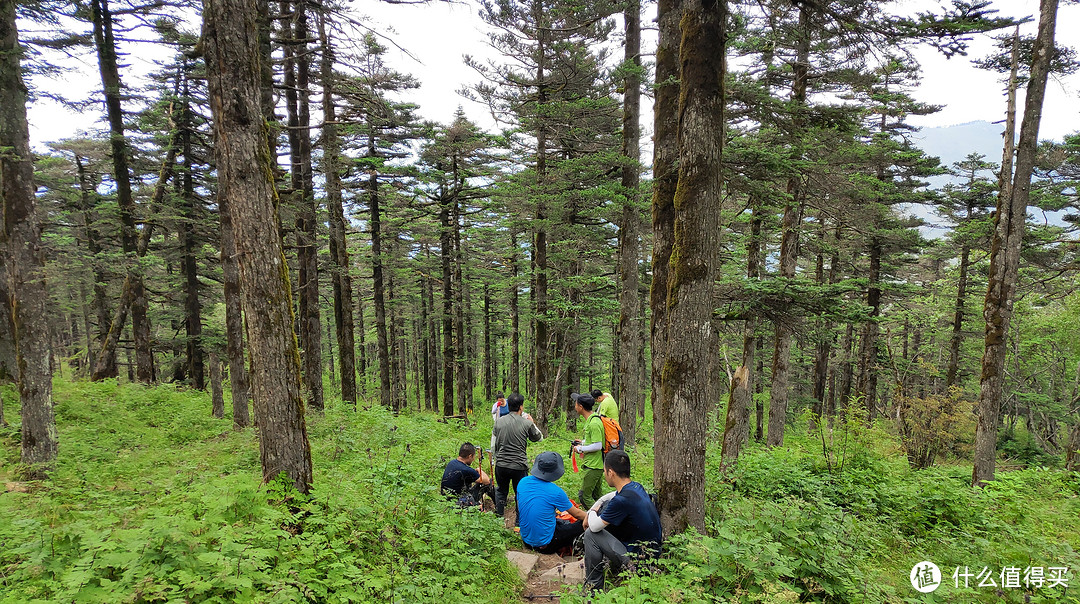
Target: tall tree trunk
x,y
823,348
339,255
687,392
425,334
737,424
24,262
789,245
397,378
110,80
186,233
630,345
449,354
246,183
234,321
88,200
433,347
515,333
299,113
1005,250
460,347
489,365
958,316
378,284
84,361
361,366
540,258
665,180
217,397
330,352
866,386
759,389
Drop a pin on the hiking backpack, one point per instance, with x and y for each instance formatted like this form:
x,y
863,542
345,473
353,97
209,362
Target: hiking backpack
x,y
613,434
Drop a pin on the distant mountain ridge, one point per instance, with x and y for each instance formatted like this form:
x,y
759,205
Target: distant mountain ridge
x,y
954,143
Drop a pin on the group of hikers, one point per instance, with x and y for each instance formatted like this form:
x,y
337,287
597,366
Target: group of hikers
x,y
613,530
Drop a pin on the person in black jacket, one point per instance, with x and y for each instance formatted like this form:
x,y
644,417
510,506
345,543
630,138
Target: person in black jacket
x,y
461,482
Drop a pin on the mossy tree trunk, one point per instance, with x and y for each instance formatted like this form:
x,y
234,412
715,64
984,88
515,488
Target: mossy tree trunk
x,y
687,395
245,181
24,262
1005,246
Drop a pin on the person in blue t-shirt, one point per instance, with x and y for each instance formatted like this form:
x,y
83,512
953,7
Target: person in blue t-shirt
x,y
461,482
628,525
538,499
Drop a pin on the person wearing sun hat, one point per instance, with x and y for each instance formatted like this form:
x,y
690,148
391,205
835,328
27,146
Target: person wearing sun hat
x,y
539,499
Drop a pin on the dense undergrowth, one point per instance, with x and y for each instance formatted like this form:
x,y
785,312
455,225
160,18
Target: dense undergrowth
x,y
154,501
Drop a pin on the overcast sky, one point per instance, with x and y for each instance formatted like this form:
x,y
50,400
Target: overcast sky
x,y
438,35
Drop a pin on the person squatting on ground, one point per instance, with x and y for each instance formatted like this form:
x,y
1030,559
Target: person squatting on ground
x,y
622,525
538,499
606,404
461,482
513,432
591,450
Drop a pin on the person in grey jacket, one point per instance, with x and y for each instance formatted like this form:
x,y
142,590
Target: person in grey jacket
x,y
513,432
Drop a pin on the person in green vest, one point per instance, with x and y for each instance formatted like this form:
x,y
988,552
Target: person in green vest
x,y
608,407
591,450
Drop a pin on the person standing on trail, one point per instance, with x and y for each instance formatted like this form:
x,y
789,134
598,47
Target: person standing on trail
x,y
539,498
461,482
620,525
591,450
607,405
512,433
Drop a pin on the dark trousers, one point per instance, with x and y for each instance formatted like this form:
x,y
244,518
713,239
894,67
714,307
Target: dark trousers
x,y
472,495
600,547
565,533
504,478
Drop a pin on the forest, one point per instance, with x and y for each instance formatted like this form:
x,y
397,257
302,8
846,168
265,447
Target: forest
x,y
254,302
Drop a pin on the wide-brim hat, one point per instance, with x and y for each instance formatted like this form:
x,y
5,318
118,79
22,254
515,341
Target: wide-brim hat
x,y
548,466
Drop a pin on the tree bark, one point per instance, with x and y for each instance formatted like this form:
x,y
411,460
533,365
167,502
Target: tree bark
x,y
110,80
449,355
234,321
361,366
789,245
24,263
245,178
432,347
630,347
378,283
542,358
687,391
665,180
737,424
958,314
460,346
515,332
866,386
88,200
339,254
297,67
189,261
489,365
1005,251
217,397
